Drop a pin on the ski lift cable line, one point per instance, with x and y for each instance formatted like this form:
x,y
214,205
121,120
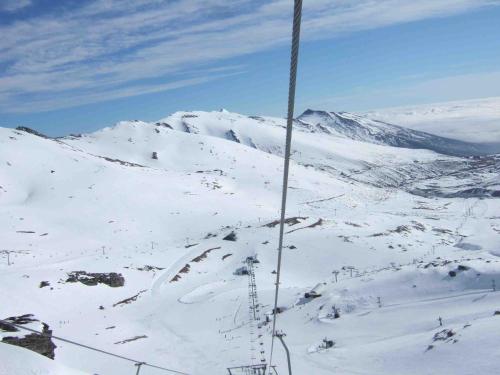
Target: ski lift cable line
x,y
297,14
135,361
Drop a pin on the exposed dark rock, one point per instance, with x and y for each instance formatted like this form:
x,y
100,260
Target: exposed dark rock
x,y
441,230
118,161
31,131
130,299
401,229
418,226
111,279
184,269
149,268
226,256
444,335
131,339
43,284
21,320
220,172
352,224
41,344
163,124
288,221
203,255
231,237
231,135
154,156
313,225
452,273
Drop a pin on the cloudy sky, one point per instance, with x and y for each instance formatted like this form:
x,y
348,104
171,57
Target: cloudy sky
x,y
76,65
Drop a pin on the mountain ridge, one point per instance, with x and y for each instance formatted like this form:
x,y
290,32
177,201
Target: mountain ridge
x,y
343,124
362,128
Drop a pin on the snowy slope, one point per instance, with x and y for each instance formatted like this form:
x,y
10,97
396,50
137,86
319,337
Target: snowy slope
x,y
384,217
18,361
468,120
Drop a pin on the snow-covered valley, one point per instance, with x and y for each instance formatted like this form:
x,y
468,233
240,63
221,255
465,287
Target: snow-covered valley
x,y
402,243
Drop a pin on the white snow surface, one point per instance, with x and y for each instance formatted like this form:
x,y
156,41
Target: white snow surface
x,y
476,120
17,361
386,218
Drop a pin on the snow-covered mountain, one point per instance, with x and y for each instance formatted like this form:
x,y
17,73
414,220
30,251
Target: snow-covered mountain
x,y
364,129
131,239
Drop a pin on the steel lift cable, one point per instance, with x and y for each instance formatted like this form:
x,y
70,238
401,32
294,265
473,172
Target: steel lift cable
x,y
297,14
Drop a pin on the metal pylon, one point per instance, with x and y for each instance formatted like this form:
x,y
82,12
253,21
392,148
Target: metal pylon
x,y
255,307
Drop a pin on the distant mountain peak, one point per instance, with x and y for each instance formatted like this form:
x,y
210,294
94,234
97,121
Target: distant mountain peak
x,y
362,128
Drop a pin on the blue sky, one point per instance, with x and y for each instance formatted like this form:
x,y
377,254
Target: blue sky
x,y
76,66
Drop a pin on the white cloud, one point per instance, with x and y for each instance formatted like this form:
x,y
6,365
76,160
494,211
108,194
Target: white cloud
x,y
110,45
426,91
13,5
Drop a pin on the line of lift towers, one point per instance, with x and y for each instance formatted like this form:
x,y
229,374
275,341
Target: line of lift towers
x,y
257,352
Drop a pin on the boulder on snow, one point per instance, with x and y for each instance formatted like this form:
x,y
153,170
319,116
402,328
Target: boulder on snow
x,y
43,284
111,279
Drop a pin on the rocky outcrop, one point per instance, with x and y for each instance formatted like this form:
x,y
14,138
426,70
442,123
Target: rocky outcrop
x,y
39,343
111,279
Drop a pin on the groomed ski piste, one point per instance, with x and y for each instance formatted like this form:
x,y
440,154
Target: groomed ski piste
x,y
400,246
